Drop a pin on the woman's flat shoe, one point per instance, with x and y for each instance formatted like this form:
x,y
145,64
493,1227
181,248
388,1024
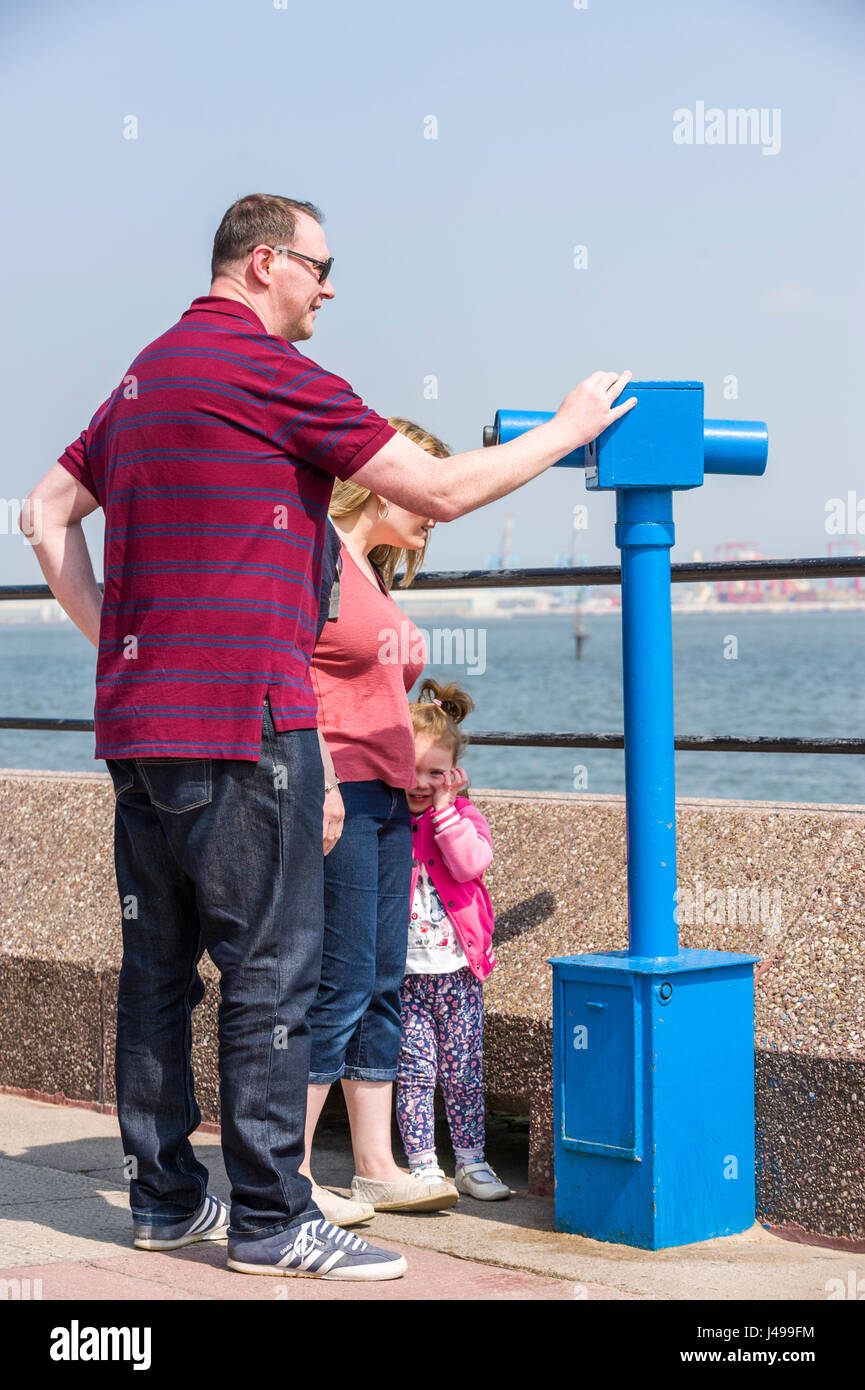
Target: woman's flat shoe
x,y
411,1193
341,1211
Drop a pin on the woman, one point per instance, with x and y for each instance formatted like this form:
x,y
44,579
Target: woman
x,y
366,661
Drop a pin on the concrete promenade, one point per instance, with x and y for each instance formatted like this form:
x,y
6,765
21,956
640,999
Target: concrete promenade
x,y
64,1221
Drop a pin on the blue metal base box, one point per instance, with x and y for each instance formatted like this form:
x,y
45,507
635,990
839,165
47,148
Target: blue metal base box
x,y
654,1096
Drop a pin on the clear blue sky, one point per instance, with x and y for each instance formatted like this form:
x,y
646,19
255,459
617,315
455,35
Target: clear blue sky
x,y
454,256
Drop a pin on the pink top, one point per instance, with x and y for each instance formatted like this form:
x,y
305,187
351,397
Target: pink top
x,y
363,666
225,422
456,847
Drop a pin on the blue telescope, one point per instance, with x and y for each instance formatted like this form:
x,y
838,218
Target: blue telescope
x,y
653,1068
712,446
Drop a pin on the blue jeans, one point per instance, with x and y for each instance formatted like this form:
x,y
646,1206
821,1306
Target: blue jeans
x,y
224,856
355,1020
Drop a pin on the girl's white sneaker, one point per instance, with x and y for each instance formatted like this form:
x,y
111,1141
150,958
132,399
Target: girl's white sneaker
x,y
479,1180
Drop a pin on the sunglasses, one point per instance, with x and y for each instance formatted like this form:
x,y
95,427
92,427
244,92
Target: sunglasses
x,y
323,267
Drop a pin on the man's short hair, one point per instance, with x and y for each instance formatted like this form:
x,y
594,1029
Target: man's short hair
x,y
258,218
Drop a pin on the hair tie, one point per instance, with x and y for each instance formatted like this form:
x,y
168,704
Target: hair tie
x,y
436,702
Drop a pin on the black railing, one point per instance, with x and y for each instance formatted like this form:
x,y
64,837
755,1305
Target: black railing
x,y
840,567
836,567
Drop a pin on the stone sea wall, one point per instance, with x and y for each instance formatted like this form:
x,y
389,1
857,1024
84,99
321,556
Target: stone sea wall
x,y
785,882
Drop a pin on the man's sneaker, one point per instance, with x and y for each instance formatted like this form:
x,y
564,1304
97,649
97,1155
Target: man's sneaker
x,y
427,1189
210,1222
479,1180
341,1211
314,1250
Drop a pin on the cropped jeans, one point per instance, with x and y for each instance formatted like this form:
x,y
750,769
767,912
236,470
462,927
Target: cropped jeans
x,y
225,856
355,1020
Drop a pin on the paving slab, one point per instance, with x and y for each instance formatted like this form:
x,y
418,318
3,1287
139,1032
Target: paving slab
x,y
200,1274
65,1281
21,1181
755,1265
49,1231
71,1228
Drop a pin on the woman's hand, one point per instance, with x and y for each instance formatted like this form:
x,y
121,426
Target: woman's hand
x,y
449,788
334,815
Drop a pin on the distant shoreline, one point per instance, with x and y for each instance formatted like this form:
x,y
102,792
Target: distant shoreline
x,y
40,613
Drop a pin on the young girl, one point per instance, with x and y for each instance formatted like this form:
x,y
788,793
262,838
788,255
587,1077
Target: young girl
x,y
450,952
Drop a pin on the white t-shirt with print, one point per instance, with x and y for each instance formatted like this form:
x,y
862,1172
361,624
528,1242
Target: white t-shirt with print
x,y
433,945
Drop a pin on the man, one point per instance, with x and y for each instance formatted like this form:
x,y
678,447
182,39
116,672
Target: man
x,y
214,460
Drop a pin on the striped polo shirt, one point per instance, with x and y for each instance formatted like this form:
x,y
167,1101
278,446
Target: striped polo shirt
x,y
214,460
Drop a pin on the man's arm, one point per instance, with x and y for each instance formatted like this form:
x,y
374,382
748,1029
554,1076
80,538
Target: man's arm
x,y
445,489
51,520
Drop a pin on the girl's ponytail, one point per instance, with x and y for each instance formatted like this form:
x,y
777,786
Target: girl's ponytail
x,y
439,710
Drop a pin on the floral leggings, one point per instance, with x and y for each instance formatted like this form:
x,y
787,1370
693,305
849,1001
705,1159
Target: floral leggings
x,y
442,1037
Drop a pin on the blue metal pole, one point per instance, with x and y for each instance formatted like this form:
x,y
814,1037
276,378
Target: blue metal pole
x,y
653,1047
653,1067
645,534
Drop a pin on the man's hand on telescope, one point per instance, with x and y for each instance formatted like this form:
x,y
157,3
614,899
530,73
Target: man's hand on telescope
x,y
588,410
404,473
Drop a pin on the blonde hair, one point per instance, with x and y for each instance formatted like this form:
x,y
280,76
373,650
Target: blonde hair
x,y
441,714
347,497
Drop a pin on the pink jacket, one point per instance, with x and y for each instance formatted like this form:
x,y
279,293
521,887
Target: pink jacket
x,y
456,846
